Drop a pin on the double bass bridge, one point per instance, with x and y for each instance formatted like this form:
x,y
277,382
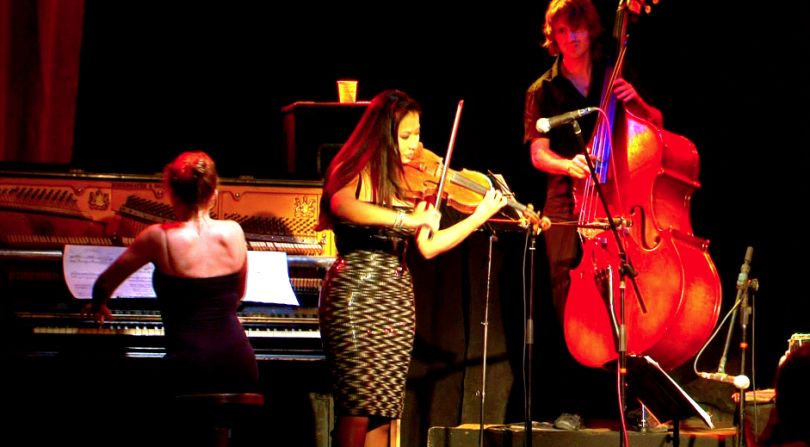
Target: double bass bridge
x,y
592,228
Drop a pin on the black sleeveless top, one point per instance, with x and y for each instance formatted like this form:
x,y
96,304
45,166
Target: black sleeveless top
x,y
206,346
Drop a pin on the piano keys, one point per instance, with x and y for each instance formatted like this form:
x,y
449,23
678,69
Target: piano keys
x,y
282,334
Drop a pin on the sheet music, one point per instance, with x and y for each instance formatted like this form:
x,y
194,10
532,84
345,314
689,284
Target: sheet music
x,y
698,409
81,265
268,279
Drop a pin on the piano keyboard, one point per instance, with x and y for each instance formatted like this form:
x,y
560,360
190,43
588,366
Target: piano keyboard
x,y
290,334
303,325
157,331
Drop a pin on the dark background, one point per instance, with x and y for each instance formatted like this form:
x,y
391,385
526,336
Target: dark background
x,y
160,77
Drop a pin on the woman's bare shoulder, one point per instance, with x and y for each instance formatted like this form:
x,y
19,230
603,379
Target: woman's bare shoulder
x,y
152,234
228,225
229,230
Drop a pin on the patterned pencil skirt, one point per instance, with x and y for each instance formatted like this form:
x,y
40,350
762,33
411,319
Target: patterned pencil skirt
x,y
367,322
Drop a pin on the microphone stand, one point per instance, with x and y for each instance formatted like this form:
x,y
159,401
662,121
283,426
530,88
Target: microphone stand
x,y
529,342
745,312
743,347
741,305
485,323
626,270
742,289
528,346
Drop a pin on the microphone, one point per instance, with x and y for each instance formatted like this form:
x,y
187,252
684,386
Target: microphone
x,y
545,124
742,381
746,267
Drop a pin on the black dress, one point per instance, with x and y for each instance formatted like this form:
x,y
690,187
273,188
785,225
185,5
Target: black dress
x,y
367,321
207,349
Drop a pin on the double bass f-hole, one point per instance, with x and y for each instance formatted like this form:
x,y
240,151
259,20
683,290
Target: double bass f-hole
x,y
639,213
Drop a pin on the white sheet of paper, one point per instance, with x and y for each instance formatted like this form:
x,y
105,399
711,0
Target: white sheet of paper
x,y
81,265
268,278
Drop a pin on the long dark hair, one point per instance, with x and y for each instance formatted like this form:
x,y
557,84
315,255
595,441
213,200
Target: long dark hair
x,y
373,145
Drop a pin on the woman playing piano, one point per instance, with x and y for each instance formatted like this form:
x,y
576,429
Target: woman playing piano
x,y
199,278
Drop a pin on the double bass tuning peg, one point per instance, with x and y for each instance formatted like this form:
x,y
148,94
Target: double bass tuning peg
x,y
637,6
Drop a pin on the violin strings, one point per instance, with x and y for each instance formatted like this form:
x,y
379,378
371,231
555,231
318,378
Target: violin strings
x,y
469,184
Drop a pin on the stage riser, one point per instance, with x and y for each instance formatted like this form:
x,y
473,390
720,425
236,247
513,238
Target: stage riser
x,y
458,437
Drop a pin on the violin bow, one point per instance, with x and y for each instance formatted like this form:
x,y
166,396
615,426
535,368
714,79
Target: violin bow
x,y
449,154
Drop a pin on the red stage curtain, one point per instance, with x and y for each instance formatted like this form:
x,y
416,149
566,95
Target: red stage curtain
x,y
40,42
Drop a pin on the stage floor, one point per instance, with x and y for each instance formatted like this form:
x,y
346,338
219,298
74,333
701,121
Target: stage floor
x,y
513,436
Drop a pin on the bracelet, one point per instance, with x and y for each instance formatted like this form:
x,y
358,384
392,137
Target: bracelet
x,y
399,222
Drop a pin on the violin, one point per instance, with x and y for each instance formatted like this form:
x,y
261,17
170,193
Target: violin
x,y
464,190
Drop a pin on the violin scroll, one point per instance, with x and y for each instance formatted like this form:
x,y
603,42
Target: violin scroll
x,y
538,222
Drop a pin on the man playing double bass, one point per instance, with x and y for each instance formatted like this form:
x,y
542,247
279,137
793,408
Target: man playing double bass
x,y
575,80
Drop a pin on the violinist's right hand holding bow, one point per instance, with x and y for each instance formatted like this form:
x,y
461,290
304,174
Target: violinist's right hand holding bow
x,y
424,215
432,243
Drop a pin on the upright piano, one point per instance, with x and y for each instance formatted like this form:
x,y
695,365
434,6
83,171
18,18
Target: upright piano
x,y
41,212
54,358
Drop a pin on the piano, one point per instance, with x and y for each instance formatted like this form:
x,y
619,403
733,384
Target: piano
x,y
55,358
41,212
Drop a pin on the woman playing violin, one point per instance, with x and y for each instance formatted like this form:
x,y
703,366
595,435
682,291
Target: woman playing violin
x,y
367,314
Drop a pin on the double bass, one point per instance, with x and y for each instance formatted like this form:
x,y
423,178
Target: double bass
x,y
672,303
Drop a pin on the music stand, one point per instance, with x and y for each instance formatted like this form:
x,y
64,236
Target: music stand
x,y
656,390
